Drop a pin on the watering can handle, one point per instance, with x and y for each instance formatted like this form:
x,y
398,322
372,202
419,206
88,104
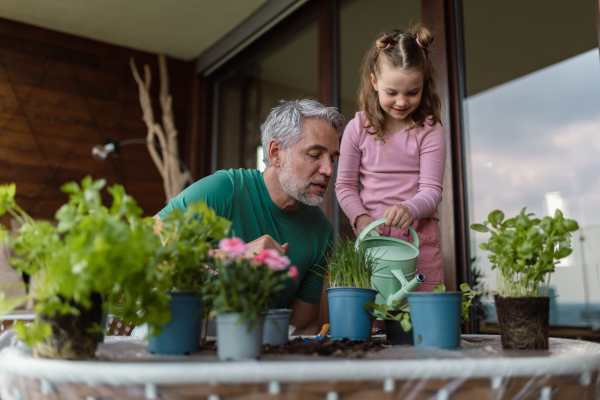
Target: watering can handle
x,y
376,223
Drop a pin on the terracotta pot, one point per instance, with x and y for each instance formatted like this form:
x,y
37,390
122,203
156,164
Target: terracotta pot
x,y
73,337
524,322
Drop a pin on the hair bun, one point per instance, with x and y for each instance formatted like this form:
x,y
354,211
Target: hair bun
x,y
424,37
383,41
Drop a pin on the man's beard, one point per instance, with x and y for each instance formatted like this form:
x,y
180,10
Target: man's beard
x,y
297,189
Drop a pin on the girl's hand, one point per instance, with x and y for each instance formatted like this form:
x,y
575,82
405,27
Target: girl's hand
x,y
398,216
362,221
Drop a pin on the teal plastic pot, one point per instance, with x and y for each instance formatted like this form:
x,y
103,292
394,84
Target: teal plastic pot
x,y
348,317
181,335
435,318
276,328
234,341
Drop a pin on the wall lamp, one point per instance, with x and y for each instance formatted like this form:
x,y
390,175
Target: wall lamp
x,y
113,148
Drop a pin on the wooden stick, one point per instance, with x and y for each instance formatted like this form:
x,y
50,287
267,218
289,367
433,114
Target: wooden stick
x,y
174,179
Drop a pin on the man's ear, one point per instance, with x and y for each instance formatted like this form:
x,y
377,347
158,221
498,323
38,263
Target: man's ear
x,y
275,153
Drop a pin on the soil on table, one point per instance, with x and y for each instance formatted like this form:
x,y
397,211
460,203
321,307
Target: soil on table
x,y
335,348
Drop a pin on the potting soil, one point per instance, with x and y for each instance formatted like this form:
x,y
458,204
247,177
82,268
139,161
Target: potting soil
x,y
335,348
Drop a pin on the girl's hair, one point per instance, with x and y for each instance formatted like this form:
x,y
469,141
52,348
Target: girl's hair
x,y
406,50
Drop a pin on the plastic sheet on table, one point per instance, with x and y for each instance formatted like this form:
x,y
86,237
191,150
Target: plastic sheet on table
x,y
479,369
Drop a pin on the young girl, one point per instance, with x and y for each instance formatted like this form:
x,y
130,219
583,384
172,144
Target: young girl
x,y
395,148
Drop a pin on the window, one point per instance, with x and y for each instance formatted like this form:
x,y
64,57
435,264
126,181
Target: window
x,y
532,133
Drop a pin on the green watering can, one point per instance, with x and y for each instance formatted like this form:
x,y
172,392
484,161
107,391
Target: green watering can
x,y
396,271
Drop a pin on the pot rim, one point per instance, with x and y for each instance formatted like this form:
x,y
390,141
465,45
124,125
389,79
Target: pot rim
x,y
351,287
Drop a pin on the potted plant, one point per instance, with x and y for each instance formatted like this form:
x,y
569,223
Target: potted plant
x,y
348,274
186,238
398,327
241,292
524,253
436,322
94,257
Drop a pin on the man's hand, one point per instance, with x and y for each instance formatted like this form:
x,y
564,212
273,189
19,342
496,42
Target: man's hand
x,y
262,243
362,222
398,216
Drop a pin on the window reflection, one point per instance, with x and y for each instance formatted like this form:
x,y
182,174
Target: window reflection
x,y
532,131
288,71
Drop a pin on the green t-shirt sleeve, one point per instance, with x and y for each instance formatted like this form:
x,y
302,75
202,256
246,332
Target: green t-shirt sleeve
x,y
216,190
311,287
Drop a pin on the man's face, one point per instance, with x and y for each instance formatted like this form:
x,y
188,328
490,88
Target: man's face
x,y
307,167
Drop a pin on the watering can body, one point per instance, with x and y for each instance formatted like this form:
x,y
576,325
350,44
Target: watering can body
x,y
396,271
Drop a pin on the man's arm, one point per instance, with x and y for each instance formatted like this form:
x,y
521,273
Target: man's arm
x,y
308,319
305,317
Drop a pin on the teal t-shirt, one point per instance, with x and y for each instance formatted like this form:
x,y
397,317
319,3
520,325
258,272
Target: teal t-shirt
x,y
242,197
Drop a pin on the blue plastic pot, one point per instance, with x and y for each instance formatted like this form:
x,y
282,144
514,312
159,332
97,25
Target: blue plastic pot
x,y
348,317
181,335
435,318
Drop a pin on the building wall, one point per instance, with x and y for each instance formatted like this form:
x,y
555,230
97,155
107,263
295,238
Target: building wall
x,y
59,96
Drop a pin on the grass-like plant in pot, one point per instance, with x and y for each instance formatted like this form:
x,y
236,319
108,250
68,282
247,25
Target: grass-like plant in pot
x,y
348,273
94,257
525,251
186,238
241,292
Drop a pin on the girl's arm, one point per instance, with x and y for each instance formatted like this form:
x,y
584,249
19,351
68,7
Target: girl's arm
x,y
432,160
346,186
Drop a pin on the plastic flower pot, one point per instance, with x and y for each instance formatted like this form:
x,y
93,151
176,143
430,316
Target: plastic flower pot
x,y
181,335
524,322
234,341
435,318
277,323
348,317
396,334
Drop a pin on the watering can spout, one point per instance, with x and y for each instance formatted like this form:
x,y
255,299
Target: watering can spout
x,y
407,287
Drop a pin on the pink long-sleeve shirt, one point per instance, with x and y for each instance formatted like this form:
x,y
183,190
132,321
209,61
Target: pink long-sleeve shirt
x,y
407,169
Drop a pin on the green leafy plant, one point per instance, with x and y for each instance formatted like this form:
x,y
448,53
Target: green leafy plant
x,y
525,250
246,285
396,312
349,265
93,249
186,238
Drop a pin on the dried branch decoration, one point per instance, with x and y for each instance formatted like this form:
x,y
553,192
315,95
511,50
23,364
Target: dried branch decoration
x,y
174,179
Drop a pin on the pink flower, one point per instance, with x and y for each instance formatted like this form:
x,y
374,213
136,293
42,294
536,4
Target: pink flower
x,y
272,259
293,273
211,252
234,246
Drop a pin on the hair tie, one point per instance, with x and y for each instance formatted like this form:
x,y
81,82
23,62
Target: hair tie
x,y
419,43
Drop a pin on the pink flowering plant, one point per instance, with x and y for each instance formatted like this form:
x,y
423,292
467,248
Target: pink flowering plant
x,y
246,285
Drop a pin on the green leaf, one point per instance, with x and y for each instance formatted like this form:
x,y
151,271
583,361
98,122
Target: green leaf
x,y
496,218
465,287
480,228
439,288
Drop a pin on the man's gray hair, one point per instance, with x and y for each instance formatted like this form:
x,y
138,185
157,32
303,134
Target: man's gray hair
x,y
284,123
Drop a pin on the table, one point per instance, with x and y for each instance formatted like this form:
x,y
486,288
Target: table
x,y
480,369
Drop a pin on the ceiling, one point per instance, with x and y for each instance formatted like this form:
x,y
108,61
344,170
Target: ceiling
x,y
181,29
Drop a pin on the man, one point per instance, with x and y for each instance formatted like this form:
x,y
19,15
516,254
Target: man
x,y
278,208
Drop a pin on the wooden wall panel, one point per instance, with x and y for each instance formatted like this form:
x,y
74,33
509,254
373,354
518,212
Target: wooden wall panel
x,y
59,96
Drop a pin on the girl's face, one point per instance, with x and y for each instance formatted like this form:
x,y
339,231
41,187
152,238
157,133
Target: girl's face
x,y
399,94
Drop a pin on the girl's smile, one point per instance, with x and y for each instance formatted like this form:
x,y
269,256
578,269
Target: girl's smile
x,y
399,93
